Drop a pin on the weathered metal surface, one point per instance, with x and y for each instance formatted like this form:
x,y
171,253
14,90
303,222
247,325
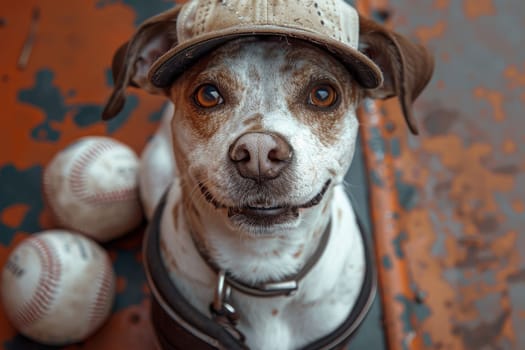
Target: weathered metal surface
x,y
448,206
460,184
387,205
57,97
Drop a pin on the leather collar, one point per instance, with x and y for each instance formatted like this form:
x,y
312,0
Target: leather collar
x,y
285,287
179,325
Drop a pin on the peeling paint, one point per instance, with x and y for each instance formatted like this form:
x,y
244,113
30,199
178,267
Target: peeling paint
x,y
465,248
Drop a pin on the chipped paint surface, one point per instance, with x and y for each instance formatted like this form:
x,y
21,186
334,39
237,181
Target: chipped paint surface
x,y
54,101
464,248
448,206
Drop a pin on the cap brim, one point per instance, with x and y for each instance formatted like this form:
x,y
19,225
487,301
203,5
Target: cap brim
x,y
181,57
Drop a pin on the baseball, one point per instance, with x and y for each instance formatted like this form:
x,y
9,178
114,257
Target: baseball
x,y
57,287
92,187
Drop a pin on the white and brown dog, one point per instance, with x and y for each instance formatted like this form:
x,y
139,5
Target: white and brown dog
x,y
256,232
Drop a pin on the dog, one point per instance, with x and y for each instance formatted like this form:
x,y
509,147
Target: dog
x,y
255,230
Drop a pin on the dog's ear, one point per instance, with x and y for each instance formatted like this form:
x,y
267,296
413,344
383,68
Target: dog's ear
x,y
406,67
131,62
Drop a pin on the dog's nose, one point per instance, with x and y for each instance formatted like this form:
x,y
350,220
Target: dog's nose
x,y
260,156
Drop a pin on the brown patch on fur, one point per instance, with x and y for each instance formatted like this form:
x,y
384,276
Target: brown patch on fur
x,y
175,213
172,264
299,252
193,219
316,71
197,214
276,253
339,214
254,123
275,312
205,122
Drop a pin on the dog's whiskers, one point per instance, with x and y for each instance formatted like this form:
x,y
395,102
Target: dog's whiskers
x,y
197,194
193,194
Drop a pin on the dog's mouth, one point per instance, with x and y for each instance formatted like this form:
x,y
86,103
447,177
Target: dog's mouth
x,y
262,214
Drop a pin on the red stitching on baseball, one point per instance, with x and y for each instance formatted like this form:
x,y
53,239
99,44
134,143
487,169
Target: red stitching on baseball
x,y
46,289
104,289
77,179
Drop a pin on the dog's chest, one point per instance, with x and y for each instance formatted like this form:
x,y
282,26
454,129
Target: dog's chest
x,y
324,299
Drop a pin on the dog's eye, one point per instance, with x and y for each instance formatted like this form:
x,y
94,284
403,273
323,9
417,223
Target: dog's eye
x,y
207,96
322,96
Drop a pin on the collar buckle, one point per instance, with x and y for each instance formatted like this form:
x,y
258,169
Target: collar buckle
x,y
222,311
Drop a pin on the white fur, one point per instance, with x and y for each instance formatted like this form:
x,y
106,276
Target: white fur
x,y
328,292
157,165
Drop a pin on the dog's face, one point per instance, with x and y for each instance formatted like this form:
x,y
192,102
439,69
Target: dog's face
x,y
262,129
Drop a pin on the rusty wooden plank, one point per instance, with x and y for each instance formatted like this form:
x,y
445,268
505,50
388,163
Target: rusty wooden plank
x,y
388,228
461,181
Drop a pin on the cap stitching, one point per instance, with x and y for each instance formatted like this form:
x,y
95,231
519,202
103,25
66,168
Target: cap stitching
x,y
233,11
327,10
204,15
333,26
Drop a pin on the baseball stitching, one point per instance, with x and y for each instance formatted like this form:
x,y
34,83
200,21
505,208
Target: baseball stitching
x,y
47,287
103,293
77,180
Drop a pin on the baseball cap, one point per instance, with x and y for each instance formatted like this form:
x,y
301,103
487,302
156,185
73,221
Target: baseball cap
x,y
204,25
